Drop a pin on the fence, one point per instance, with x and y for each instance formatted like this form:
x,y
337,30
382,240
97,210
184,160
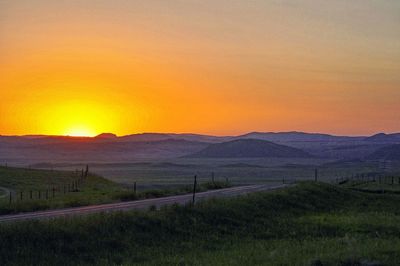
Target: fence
x,y
51,192
368,178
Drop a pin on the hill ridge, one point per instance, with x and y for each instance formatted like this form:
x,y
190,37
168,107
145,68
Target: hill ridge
x,y
249,148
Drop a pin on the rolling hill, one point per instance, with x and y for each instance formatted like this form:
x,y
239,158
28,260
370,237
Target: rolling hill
x,y
382,137
249,148
294,136
107,147
391,152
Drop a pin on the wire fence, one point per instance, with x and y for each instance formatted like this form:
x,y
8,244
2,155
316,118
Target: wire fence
x,y
74,185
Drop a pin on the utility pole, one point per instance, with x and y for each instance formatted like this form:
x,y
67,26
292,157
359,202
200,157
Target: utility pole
x,y
194,188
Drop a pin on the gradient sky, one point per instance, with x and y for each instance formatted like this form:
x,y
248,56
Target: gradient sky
x,y
216,66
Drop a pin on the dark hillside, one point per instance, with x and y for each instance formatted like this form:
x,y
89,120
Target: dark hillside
x,y
250,148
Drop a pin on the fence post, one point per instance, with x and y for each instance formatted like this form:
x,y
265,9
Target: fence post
x,y
194,188
21,195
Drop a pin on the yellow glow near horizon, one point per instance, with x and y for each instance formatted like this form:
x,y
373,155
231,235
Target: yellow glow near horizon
x,y
80,131
80,118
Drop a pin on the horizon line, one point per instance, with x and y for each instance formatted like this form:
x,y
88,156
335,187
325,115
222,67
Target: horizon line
x,y
200,134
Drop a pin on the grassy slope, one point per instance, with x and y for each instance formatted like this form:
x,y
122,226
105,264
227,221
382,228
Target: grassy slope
x,y
94,189
297,226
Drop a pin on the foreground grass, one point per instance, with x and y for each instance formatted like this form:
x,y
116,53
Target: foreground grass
x,y
310,224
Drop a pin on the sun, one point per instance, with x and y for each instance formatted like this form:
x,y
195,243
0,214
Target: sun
x,y
80,117
80,131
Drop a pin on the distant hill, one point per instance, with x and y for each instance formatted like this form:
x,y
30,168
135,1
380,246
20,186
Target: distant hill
x,y
283,137
107,147
382,137
106,136
167,136
296,136
249,148
391,152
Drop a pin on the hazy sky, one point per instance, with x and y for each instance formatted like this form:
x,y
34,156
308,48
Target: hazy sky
x,y
218,67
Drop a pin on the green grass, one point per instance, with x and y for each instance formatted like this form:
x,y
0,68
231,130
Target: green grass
x,y
309,224
157,193
32,179
93,190
385,185
3,192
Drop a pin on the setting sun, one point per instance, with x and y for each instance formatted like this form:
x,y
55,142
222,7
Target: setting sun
x,y
80,131
82,118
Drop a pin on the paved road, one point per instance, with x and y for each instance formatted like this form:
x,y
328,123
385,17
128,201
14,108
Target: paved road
x,y
139,204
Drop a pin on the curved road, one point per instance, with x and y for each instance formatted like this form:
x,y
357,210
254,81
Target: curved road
x,y
138,204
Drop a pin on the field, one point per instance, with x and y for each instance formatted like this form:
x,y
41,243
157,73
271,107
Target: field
x,y
150,174
309,224
33,189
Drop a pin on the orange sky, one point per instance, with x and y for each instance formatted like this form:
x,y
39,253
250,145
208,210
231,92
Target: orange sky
x,y
217,67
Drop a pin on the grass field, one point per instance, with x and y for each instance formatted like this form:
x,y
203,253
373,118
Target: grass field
x,y
93,189
180,171
37,187
309,224
3,192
